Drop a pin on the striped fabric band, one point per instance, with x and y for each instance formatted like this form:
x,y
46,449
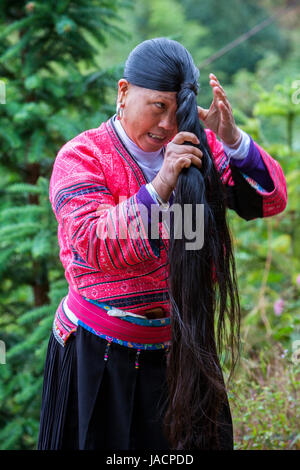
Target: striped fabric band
x,y
128,330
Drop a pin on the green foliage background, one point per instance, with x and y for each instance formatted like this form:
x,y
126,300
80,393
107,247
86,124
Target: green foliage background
x,y
60,62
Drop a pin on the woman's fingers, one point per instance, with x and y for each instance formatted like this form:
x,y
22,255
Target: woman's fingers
x,y
187,160
219,91
180,156
214,82
184,136
202,113
214,78
189,149
225,109
195,161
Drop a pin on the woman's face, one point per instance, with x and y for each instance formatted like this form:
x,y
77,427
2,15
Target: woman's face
x,y
149,116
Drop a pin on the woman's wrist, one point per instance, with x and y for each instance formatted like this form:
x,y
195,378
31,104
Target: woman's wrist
x,y
161,186
234,144
240,151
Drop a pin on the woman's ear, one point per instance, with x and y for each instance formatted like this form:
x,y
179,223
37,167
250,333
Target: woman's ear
x,y
123,86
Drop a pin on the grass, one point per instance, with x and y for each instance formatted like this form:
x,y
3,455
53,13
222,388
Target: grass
x,y
263,401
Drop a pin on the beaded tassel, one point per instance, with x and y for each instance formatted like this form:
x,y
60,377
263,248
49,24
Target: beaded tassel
x,y
137,365
106,351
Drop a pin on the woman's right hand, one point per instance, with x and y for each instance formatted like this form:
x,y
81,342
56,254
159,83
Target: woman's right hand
x,y
176,158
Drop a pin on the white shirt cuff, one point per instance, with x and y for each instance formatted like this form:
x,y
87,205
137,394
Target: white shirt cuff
x,y
242,151
152,193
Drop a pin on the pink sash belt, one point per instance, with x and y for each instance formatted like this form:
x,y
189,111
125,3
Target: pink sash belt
x,y
97,318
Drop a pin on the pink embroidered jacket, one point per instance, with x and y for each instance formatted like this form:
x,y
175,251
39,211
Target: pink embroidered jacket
x,y
96,189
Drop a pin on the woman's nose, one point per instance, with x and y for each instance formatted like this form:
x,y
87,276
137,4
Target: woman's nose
x,y
168,122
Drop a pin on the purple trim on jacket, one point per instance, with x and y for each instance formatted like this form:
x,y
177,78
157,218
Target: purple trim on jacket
x,y
145,201
253,166
143,197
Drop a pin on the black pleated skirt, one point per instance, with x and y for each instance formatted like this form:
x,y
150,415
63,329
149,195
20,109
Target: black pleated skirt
x,y
96,397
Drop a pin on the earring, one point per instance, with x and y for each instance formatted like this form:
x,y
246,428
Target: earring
x,y
120,107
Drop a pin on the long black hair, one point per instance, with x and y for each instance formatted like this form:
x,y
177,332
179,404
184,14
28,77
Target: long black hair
x,y
205,310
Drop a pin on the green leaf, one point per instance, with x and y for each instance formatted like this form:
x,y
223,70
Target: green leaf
x,y
16,49
37,145
281,244
41,245
23,188
32,82
17,25
283,333
65,25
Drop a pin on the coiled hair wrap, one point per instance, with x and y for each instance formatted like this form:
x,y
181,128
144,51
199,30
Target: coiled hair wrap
x,y
189,86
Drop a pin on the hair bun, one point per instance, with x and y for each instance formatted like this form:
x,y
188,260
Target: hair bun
x,y
190,86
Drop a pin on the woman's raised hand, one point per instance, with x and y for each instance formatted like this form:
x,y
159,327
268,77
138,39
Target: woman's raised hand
x,y
177,157
219,117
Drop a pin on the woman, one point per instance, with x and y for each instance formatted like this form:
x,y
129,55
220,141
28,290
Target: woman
x,y
127,367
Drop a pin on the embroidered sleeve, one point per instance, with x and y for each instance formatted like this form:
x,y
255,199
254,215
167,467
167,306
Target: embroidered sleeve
x,y
244,194
107,234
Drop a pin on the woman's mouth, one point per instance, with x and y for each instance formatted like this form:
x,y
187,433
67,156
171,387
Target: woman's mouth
x,y
156,137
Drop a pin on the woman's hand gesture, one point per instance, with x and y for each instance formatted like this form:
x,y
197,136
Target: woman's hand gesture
x,y
219,117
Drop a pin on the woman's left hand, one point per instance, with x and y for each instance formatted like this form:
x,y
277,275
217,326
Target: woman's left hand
x,y
219,117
